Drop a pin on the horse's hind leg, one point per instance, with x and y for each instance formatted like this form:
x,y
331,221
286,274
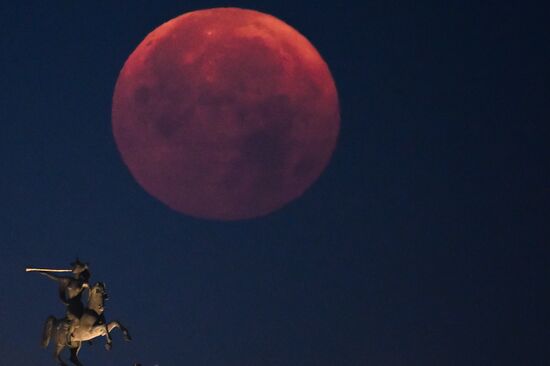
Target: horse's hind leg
x,y
125,333
57,354
74,355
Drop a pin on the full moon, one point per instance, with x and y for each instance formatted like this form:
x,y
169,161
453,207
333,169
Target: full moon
x,y
225,114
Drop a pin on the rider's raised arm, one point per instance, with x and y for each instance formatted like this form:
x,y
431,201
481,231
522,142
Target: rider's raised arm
x,y
51,276
62,281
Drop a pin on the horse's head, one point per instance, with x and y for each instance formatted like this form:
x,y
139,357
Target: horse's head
x,y
98,292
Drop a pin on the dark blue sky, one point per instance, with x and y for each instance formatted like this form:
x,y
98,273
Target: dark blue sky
x,y
423,243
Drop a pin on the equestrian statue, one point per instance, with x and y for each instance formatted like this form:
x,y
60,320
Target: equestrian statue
x,y
81,322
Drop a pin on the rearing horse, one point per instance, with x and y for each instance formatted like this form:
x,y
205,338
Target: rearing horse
x,y
92,324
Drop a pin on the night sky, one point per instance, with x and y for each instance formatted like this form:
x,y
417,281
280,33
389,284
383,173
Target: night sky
x,y
423,243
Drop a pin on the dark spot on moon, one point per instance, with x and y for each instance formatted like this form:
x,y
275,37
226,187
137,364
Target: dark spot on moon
x,y
266,149
142,95
279,109
168,125
212,98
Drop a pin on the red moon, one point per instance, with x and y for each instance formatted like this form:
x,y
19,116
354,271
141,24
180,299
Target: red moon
x,y
225,114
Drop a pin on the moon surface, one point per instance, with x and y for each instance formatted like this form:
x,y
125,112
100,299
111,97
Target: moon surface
x,y
225,114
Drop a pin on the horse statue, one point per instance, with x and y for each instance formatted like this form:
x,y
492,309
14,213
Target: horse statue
x,y
91,325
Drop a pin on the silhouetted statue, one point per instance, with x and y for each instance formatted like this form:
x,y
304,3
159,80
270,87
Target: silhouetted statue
x,y
81,323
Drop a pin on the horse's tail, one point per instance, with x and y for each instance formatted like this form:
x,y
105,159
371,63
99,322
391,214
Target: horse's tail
x,y
48,331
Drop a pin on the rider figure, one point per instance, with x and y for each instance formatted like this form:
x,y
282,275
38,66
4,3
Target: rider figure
x,y
70,293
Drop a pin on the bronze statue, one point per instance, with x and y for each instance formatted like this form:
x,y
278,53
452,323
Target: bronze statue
x,y
81,323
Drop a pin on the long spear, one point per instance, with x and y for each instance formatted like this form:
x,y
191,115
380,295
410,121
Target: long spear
x,y
46,270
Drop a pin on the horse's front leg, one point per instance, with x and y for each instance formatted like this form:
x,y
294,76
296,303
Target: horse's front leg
x,y
115,324
102,324
109,343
